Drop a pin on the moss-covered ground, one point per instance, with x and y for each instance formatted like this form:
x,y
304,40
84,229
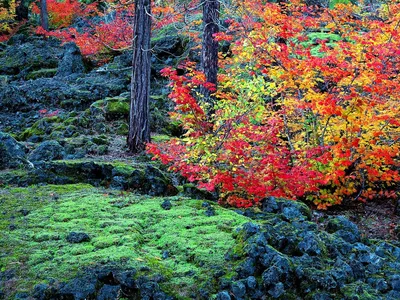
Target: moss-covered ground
x,y
127,230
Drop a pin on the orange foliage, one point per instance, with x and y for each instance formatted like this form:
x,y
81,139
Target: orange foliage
x,y
61,13
308,107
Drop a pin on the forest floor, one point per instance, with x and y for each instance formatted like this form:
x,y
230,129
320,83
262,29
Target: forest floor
x,y
375,219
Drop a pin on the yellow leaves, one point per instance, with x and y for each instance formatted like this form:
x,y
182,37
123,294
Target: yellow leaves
x,y
330,25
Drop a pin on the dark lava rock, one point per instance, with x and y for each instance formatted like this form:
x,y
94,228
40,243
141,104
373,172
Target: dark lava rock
x,y
311,244
165,254
68,92
210,211
250,229
251,282
270,205
192,191
278,271
41,292
238,289
79,288
21,295
379,284
167,205
107,277
347,230
247,268
25,55
12,153
126,279
150,290
78,237
109,292
24,212
47,151
321,296
397,207
397,231
290,210
395,282
157,183
277,290
294,258
71,62
224,295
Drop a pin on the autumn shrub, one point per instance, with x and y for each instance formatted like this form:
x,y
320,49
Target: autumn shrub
x,y
98,40
61,12
296,116
7,22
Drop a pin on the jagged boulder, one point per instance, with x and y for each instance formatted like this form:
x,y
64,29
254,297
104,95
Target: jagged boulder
x,y
71,62
12,153
47,151
24,55
295,260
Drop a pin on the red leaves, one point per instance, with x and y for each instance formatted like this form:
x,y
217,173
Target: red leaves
x,y
301,113
61,13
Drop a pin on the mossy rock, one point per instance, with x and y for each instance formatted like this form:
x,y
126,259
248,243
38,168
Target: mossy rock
x,y
122,129
144,178
100,140
113,108
4,79
46,73
42,127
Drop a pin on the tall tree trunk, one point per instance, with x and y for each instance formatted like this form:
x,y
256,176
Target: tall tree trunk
x,y
22,10
44,15
210,46
139,129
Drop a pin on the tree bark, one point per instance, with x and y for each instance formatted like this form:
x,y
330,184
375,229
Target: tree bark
x,y
210,46
22,10
44,15
139,129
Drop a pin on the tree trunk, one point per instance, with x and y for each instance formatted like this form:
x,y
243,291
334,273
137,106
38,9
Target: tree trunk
x,y
210,46
139,129
44,15
22,10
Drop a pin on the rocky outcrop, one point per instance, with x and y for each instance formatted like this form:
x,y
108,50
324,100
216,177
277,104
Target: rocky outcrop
x,y
12,153
47,151
103,284
67,93
26,54
145,179
71,61
288,257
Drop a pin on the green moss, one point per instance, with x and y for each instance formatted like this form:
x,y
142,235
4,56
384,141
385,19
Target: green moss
x,y
158,138
40,127
127,230
47,73
360,291
122,129
112,108
27,133
117,107
99,140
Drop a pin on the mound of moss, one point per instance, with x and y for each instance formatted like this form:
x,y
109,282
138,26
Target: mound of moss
x,y
178,242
